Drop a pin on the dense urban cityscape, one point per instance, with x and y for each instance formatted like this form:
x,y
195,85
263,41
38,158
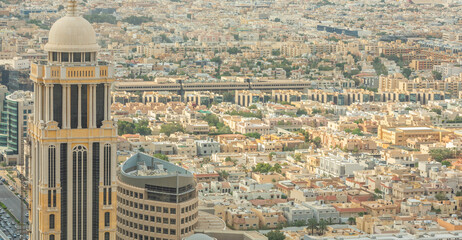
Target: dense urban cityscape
x,y
230,120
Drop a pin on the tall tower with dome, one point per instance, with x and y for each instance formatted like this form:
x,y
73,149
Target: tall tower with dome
x,y
73,139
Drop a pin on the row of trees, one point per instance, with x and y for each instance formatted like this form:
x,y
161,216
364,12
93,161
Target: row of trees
x,y
442,154
214,121
169,128
258,114
308,139
266,168
141,127
101,18
355,131
312,224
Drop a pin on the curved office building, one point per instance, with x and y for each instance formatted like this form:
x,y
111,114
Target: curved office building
x,y
156,200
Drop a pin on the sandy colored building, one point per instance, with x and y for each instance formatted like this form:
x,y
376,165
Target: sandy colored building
x,y
380,207
400,135
155,199
73,192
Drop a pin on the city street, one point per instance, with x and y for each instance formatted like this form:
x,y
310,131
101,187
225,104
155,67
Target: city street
x,y
11,201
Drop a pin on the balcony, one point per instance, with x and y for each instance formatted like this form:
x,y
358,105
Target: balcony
x,y
71,71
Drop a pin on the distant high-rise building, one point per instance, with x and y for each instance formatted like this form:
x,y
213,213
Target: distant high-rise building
x,y
73,140
155,200
14,114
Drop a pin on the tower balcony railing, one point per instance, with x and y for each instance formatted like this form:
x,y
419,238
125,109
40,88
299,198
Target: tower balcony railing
x,y
71,71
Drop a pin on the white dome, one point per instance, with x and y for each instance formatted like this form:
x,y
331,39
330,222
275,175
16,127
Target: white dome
x,y
72,34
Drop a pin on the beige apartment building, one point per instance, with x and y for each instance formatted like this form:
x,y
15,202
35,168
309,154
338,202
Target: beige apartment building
x,y
155,199
408,190
380,207
249,97
252,127
269,218
400,135
397,81
242,219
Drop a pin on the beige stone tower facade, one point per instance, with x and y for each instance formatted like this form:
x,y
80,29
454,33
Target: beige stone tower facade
x,y
73,140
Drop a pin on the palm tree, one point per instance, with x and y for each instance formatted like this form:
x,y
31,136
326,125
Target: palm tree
x,y
352,220
312,223
322,226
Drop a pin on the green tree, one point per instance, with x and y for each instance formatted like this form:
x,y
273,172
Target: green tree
x,y
299,223
253,135
271,155
223,175
275,235
101,18
317,141
276,168
322,226
312,224
262,168
217,60
379,67
436,110
441,196
228,96
137,20
253,106
141,149
315,111
352,220
211,119
276,52
170,128
357,131
443,154
407,72
301,112
234,50
258,114
437,75
140,127
161,156
446,163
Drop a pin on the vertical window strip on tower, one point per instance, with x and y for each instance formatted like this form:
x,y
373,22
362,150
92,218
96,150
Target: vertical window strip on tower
x,y
74,195
99,105
95,210
74,106
52,221
85,191
63,165
58,104
84,108
79,192
107,165
51,166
